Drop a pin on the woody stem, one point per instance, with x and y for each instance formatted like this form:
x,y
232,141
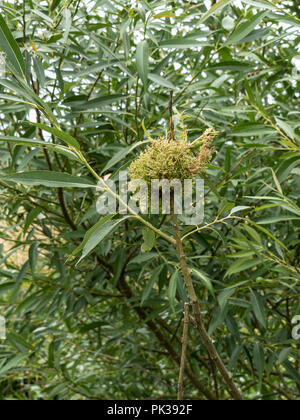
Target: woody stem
x,y
199,324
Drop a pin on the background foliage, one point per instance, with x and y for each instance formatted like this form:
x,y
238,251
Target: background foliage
x,y
110,326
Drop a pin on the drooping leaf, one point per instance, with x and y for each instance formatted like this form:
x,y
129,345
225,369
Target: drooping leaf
x,y
98,234
149,240
142,62
12,363
205,280
38,143
181,43
67,138
241,265
49,179
245,28
153,279
259,360
122,155
216,8
9,45
258,308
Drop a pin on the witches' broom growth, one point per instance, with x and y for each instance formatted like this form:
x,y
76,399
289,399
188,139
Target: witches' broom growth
x,y
170,159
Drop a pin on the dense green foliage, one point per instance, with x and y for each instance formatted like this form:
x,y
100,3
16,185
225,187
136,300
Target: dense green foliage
x,y
109,326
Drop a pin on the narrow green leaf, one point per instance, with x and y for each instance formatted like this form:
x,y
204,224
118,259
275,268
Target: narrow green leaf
x,y
245,28
12,363
140,259
98,102
95,68
217,7
233,327
13,98
260,4
39,71
250,130
252,232
225,295
205,280
5,287
33,256
258,308
38,143
9,45
290,20
58,390
292,371
165,14
259,360
278,219
19,342
90,232
241,265
219,315
48,179
161,81
249,92
234,357
67,24
8,254
182,43
149,240
231,66
151,282
31,217
238,209
286,127
279,188
67,138
262,229
284,354
122,155
99,234
54,4
142,62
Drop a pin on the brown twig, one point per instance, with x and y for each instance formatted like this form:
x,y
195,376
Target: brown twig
x,y
60,192
199,324
24,22
125,289
92,89
87,99
171,115
184,350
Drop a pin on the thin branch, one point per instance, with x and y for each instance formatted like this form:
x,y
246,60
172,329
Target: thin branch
x,y
208,226
184,350
60,192
24,22
199,324
171,115
87,98
64,209
125,289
